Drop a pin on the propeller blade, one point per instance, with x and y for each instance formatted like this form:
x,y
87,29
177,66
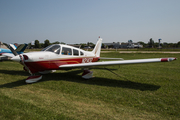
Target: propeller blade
x,y
22,61
11,48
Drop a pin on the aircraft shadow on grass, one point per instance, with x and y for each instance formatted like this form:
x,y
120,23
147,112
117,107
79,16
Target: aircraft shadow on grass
x,y
73,77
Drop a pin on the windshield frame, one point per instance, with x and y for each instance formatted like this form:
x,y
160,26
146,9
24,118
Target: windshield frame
x,y
53,48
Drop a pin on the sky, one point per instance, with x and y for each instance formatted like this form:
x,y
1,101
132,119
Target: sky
x,y
82,21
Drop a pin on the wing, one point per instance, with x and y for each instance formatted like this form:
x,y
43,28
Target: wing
x,y
124,62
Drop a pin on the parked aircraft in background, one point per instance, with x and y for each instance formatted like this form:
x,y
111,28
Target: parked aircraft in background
x,y
7,53
62,57
3,50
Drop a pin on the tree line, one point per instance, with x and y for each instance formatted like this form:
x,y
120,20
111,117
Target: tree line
x,y
150,44
46,43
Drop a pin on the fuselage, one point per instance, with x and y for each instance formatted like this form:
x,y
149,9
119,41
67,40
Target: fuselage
x,y
2,50
56,55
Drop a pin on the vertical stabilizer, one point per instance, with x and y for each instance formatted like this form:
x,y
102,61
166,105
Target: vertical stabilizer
x,y
97,48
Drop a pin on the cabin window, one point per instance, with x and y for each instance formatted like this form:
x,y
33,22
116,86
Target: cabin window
x,y
66,51
75,52
81,53
53,48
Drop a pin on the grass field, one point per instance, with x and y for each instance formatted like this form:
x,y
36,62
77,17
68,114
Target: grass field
x,y
141,91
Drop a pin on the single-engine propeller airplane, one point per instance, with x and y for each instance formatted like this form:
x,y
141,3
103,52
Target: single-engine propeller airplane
x,y
62,57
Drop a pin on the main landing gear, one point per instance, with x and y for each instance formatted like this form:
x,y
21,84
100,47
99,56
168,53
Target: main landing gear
x,y
87,74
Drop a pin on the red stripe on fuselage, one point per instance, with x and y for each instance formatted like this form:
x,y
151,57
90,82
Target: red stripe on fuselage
x,y
52,64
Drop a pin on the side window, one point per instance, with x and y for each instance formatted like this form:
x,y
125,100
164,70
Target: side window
x,y
66,51
81,53
75,52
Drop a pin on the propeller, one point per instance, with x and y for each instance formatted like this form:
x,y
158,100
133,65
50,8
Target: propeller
x,y
18,57
22,62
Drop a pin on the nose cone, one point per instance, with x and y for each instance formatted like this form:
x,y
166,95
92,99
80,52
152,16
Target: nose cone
x,y
16,58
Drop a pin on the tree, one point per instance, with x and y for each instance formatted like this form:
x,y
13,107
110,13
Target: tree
x,y
103,46
156,44
82,45
151,43
29,45
142,43
62,43
57,42
41,45
178,44
46,43
37,45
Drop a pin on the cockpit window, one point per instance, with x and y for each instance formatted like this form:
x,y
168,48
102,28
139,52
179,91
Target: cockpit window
x,y
53,48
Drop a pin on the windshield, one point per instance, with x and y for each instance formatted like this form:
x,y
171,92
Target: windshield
x,y
53,48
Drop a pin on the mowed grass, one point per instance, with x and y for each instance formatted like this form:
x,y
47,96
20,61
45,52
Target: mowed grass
x,y
141,91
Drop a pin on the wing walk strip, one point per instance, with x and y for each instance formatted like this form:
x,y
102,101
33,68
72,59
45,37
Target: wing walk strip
x,y
124,62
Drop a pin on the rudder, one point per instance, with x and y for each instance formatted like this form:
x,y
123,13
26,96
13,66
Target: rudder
x,y
97,48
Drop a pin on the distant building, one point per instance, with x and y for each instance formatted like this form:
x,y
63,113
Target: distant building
x,y
129,44
112,45
87,47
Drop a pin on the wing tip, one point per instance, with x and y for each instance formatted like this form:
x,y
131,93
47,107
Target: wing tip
x,y
168,59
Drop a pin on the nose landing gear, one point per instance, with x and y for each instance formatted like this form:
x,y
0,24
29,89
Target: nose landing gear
x,y
33,78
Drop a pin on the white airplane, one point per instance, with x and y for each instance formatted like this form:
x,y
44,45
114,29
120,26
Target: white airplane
x,y
62,57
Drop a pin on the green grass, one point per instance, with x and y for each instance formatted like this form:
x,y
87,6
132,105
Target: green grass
x,y
141,91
